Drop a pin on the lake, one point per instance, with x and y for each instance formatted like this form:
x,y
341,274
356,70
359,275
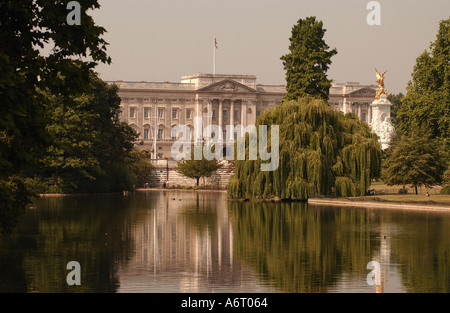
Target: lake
x,y
186,241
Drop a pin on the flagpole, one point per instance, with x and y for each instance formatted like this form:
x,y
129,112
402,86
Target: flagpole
x,y
214,54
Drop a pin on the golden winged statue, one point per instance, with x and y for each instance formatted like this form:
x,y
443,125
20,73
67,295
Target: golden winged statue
x,y
380,81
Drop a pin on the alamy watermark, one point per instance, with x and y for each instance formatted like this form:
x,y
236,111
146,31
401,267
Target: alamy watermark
x,y
74,276
181,149
74,16
374,277
374,16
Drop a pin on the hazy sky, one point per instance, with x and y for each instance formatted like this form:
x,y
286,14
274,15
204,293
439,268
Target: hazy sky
x,y
162,40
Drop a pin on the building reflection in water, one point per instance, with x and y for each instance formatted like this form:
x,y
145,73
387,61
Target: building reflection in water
x,y
189,235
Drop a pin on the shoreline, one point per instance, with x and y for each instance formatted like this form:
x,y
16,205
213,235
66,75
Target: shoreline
x,y
54,195
362,203
381,204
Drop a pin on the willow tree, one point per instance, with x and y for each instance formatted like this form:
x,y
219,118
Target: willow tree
x,y
321,152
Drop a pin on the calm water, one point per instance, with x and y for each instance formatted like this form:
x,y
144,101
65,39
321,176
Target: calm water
x,y
198,242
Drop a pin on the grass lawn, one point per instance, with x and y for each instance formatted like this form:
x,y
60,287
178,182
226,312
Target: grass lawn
x,y
407,198
383,189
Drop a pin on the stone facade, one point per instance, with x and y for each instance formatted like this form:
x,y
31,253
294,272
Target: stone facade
x,y
353,98
154,109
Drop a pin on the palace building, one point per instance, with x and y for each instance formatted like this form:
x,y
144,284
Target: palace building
x,y
153,109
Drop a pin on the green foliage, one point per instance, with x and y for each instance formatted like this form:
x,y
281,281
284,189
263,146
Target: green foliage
x,y
344,187
416,159
197,168
308,61
445,190
320,149
14,195
139,166
446,181
427,101
90,148
26,27
396,100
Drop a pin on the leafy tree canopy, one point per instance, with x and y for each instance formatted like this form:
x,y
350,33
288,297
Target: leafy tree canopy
x,y
39,51
308,61
427,101
87,140
198,168
27,29
396,100
415,159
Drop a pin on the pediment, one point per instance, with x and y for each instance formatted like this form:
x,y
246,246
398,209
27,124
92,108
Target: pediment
x,y
366,91
227,86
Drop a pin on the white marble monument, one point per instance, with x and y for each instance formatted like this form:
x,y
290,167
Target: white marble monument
x,y
381,113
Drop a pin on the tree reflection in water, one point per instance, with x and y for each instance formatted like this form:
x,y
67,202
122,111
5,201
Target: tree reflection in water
x,y
172,241
302,249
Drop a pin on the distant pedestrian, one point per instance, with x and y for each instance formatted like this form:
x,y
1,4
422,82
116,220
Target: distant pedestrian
x,y
164,184
428,194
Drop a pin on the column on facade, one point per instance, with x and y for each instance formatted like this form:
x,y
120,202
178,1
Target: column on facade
x,y
168,120
209,107
153,115
359,110
155,127
231,119
220,117
371,115
202,117
197,123
253,107
243,116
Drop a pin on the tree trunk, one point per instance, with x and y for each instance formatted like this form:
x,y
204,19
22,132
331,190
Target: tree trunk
x,y
416,190
198,179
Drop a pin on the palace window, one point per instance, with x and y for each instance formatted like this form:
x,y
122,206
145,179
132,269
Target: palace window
x,y
187,136
160,133
188,113
146,113
258,113
236,114
224,114
174,113
146,133
174,133
160,113
213,114
132,112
